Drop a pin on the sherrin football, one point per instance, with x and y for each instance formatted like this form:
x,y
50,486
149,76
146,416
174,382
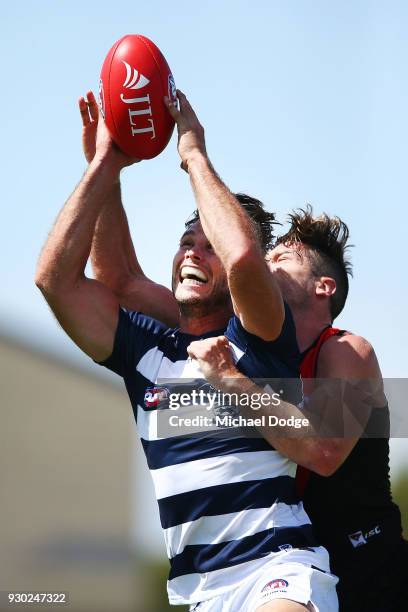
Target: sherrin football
x,y
135,77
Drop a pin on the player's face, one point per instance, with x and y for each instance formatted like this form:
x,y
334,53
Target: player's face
x,y
293,271
198,275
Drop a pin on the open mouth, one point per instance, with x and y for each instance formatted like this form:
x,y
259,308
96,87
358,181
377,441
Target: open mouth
x,y
192,276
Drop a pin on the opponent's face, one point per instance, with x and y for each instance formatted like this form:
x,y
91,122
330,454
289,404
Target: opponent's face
x,y
293,271
198,275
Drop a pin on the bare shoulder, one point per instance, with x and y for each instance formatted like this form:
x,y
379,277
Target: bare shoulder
x,y
349,342
348,355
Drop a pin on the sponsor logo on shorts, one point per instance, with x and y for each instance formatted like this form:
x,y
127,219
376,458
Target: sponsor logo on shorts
x,y
359,538
278,584
285,547
154,396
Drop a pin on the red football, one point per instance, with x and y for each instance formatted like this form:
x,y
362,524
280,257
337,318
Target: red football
x,y
135,77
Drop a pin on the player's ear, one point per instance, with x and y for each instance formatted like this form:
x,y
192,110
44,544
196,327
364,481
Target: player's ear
x,y
325,285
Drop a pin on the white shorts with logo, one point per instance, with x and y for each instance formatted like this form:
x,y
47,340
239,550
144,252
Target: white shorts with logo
x,y
291,580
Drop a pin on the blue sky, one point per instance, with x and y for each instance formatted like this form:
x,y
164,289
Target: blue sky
x,y
302,101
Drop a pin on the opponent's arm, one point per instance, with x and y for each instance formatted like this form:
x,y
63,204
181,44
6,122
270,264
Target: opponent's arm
x,y
86,309
113,257
351,359
315,446
256,295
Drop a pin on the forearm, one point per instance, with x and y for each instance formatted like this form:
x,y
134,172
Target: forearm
x,y
115,264
256,401
64,256
225,223
303,445
113,256
256,296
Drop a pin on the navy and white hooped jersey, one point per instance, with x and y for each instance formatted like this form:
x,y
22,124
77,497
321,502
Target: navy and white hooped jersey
x,y
226,502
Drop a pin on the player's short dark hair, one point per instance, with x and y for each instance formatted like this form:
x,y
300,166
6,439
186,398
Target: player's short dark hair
x,y
327,239
262,220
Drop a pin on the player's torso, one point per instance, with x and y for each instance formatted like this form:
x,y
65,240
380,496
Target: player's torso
x,y
352,511
226,498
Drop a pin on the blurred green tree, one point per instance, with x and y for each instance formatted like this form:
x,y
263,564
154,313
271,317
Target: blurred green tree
x,y
154,591
400,495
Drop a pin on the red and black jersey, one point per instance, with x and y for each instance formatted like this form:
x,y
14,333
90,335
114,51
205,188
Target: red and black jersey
x,y
354,517
310,356
308,369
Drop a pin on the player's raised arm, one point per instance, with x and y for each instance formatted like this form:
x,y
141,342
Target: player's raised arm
x,y
256,296
86,309
113,256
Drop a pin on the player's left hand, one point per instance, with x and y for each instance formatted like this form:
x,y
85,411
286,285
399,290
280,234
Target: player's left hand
x,y
215,359
191,139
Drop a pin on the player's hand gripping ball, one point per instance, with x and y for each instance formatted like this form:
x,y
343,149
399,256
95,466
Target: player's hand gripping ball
x,y
135,77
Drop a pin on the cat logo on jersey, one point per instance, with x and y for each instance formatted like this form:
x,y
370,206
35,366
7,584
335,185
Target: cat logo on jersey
x,y
154,396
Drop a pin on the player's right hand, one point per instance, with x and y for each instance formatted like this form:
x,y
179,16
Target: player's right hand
x,y
96,137
88,109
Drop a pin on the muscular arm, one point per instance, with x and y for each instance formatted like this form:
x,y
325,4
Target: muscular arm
x,y
86,309
350,357
113,256
115,264
256,295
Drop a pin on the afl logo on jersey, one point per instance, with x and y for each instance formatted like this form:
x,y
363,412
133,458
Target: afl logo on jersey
x,y
154,396
278,583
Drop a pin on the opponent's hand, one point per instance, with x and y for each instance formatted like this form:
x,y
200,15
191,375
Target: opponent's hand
x,y
190,131
215,359
96,137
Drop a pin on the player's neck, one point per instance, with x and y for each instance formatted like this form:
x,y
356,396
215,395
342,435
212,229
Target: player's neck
x,y
198,324
309,326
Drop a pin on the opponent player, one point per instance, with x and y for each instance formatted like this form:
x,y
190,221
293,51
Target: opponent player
x,y
235,538
347,492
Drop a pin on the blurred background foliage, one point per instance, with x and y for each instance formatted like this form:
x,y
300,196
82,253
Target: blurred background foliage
x,y
400,495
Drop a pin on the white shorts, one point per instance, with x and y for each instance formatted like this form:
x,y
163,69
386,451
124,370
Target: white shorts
x,y
295,581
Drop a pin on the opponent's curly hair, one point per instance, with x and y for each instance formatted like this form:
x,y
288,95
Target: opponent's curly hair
x,y
327,238
263,221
